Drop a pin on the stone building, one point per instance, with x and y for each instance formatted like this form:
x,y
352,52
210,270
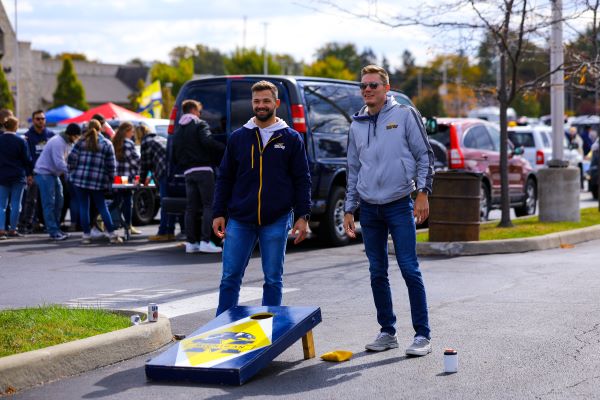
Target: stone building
x,y
37,75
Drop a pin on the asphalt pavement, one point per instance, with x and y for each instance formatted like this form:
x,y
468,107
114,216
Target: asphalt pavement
x,y
525,325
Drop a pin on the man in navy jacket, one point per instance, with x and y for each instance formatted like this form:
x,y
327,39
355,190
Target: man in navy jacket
x,y
263,184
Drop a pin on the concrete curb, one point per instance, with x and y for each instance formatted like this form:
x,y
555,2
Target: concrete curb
x,y
25,370
544,242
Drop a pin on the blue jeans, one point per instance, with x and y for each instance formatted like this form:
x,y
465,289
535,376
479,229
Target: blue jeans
x,y
15,193
376,222
240,241
97,196
51,192
167,221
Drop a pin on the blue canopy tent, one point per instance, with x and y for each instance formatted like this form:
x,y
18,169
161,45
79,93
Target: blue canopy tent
x,y
61,113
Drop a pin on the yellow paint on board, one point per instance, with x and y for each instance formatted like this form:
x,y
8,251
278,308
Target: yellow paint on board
x,y
225,343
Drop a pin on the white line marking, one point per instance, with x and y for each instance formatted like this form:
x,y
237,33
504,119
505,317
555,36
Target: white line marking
x,y
160,247
205,302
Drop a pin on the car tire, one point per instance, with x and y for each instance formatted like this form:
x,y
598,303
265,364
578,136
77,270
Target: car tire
x,y
331,227
484,202
144,208
530,201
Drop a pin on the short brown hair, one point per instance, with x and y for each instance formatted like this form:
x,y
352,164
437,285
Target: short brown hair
x,y
265,85
189,105
376,69
11,124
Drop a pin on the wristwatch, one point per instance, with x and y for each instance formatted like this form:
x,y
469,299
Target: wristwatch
x,y
423,190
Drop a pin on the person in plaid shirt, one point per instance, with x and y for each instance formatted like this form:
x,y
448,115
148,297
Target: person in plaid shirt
x,y
128,163
92,169
154,159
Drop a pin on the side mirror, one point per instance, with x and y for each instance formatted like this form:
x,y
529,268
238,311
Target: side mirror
x,y
431,125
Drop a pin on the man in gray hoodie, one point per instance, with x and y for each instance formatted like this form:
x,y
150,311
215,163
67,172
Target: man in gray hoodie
x,y
389,157
51,164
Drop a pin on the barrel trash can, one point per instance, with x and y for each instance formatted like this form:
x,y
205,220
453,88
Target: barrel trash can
x,y
454,204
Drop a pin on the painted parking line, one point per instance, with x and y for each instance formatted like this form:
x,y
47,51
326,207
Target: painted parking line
x,y
160,246
205,302
112,300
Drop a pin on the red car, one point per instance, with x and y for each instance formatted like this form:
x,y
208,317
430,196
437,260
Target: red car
x,y
474,145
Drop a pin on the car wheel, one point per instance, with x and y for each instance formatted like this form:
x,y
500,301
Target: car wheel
x,y
143,207
331,228
530,201
484,202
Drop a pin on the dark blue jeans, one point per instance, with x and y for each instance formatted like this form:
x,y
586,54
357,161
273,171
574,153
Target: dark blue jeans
x,y
377,221
240,241
97,196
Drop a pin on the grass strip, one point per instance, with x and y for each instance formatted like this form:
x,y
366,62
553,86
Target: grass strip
x,y
529,227
34,328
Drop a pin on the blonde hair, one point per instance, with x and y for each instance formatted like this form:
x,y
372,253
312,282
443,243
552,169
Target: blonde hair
x,y
119,139
91,136
141,131
376,69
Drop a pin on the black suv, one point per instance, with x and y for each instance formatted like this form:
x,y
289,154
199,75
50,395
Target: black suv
x,y
320,109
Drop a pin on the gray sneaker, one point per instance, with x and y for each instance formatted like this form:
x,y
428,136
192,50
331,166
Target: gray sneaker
x,y
383,341
420,347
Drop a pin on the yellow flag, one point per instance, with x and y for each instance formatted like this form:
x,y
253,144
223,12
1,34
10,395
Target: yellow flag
x,y
150,101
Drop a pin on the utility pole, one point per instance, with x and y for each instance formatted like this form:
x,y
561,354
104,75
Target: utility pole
x,y
265,59
17,65
557,83
244,33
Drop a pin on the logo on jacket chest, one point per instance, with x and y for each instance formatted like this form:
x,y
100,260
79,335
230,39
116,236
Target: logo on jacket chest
x,y
279,146
391,126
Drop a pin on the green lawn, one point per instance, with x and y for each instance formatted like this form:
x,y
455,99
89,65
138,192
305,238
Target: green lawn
x,y
35,328
528,227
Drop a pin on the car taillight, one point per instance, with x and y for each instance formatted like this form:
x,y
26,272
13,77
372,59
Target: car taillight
x,y
457,160
298,118
539,157
171,128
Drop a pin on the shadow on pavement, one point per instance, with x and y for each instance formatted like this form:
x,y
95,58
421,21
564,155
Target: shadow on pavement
x,y
288,380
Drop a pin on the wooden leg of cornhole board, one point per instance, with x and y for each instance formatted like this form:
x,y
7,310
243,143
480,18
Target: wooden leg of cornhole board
x,y
308,345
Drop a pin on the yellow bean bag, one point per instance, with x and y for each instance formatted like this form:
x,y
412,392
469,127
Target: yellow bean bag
x,y
337,355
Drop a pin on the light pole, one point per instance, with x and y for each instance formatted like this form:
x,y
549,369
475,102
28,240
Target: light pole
x,y
17,66
265,60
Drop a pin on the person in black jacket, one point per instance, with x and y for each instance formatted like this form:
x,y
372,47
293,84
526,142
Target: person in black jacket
x,y
193,150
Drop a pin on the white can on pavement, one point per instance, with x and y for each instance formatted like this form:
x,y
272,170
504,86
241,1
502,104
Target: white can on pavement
x,y
152,312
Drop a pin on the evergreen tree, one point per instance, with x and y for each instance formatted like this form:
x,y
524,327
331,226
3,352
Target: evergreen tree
x,y
6,98
69,90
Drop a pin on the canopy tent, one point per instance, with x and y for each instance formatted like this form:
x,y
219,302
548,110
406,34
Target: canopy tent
x,y
109,111
58,114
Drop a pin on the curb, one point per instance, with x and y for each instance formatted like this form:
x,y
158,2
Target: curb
x,y
20,371
550,241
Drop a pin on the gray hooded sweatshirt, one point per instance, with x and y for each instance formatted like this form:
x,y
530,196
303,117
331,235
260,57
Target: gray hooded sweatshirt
x,y
389,155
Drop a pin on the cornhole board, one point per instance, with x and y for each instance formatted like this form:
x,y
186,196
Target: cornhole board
x,y
237,344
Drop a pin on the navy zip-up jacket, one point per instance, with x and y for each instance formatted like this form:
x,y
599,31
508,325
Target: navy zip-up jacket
x,y
258,184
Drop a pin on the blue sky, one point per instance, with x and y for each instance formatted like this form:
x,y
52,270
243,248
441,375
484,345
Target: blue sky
x,y
117,31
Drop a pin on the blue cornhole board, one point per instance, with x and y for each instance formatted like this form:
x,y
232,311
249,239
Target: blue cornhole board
x,y
235,346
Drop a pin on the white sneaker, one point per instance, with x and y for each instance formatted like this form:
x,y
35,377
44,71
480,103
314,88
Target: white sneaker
x,y
420,347
95,233
192,247
209,247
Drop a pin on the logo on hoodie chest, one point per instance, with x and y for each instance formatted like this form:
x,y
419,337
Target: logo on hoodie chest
x,y
279,146
391,126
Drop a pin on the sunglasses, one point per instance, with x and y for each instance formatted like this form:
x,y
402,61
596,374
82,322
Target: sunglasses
x,y
372,85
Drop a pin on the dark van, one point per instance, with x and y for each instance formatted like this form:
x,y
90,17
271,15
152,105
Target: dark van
x,y
320,109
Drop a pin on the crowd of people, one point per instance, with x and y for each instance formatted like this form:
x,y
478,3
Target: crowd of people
x,y
79,165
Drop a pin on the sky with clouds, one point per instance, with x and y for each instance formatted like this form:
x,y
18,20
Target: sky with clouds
x,y
116,31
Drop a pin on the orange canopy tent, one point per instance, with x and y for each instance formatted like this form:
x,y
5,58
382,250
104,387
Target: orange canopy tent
x,y
109,111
